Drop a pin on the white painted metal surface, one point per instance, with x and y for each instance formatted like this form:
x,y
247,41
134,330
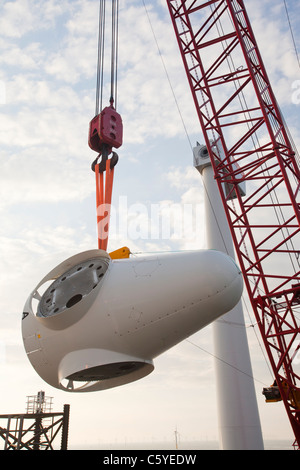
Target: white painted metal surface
x,y
239,422
111,318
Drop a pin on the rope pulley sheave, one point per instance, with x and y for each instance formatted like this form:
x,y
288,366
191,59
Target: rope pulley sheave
x,y
106,128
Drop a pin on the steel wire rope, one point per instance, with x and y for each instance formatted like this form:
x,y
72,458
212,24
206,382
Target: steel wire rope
x,y
224,362
101,54
247,114
114,51
215,217
100,58
277,209
267,171
241,98
292,33
224,244
181,116
167,73
234,324
185,128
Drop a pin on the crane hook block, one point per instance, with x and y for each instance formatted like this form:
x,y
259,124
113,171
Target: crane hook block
x,y
106,129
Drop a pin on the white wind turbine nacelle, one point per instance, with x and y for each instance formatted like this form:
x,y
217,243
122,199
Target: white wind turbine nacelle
x,y
95,323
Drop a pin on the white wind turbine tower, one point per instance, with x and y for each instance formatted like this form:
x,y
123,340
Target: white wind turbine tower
x,y
239,422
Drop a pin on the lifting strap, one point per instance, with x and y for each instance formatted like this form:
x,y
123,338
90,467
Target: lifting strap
x,y
106,128
104,197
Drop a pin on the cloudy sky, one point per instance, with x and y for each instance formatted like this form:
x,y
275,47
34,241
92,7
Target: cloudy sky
x,y
48,53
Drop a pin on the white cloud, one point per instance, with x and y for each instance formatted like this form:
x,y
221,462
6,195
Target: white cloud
x,y
48,63
28,58
75,57
17,18
24,89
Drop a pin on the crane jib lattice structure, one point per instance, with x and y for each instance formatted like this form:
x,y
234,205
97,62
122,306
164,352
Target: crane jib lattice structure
x,y
249,144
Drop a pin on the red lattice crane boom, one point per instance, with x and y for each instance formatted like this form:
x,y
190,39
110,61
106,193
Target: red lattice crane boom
x,y
251,144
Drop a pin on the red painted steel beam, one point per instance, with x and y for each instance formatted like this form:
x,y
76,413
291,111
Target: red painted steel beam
x,y
223,65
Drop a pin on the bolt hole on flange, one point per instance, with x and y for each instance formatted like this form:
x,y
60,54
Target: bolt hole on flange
x,y
74,300
72,287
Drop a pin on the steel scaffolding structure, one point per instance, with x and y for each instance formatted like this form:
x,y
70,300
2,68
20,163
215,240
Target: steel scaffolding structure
x,y
38,428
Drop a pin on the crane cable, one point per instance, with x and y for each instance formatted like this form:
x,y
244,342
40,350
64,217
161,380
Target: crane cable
x,y
106,129
100,64
252,325
114,52
101,54
292,32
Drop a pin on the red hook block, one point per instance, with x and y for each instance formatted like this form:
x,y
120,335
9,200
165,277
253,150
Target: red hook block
x,y
106,129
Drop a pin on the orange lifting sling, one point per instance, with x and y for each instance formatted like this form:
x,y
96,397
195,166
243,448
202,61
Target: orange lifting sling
x,y
103,199
106,128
